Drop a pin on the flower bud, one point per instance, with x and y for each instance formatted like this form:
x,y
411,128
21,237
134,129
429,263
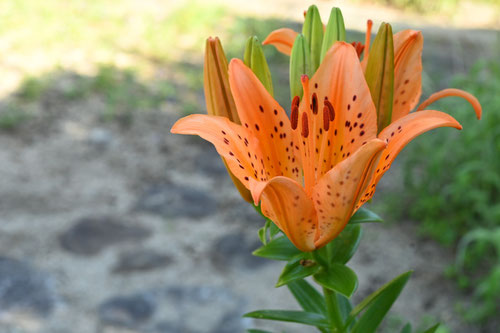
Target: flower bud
x,y
335,31
380,74
218,97
255,60
299,65
313,33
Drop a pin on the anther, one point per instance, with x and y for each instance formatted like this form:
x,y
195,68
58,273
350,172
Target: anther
x,y
315,103
295,102
331,110
294,118
326,119
305,126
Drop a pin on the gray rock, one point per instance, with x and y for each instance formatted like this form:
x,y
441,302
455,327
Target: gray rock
x,y
90,235
171,200
127,311
231,322
141,260
233,250
100,137
24,288
209,162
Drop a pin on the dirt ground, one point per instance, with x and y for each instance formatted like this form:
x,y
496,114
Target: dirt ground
x,y
112,228
115,227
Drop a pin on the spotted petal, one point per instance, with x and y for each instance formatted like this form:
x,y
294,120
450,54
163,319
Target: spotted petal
x,y
266,120
339,84
282,39
337,192
285,202
237,145
408,45
399,134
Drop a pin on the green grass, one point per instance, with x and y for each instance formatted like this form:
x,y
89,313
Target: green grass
x,y
452,186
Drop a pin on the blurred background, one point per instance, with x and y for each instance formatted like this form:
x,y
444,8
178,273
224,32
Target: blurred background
x,y
110,224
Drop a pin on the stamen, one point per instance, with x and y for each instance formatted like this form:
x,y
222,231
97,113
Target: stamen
x,y
331,110
295,101
294,118
305,126
314,103
326,119
368,36
453,92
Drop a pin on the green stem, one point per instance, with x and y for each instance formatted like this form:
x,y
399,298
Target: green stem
x,y
332,310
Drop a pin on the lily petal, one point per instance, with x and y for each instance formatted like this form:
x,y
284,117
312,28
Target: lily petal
x,y
453,92
339,84
237,145
408,45
282,39
266,119
285,202
399,134
337,192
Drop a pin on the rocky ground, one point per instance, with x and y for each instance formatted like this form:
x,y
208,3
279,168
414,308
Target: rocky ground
x,y
113,228
120,227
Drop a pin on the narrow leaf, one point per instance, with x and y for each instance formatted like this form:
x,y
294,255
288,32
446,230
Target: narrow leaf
x,y
433,329
338,278
278,249
345,306
343,247
406,328
380,74
364,215
255,60
307,296
313,33
300,64
299,317
335,31
295,269
377,305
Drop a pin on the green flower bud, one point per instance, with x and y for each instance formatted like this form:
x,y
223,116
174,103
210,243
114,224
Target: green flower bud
x,y
313,32
299,64
380,74
255,60
335,31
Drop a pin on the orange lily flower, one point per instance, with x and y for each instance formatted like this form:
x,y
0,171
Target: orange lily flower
x,y
312,171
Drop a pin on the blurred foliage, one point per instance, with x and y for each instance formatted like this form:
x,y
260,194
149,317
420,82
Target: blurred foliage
x,y
426,6
479,251
119,93
452,184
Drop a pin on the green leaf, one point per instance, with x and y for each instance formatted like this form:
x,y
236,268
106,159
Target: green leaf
x,y
335,31
299,317
313,33
278,249
257,331
273,230
298,268
432,329
377,305
255,60
345,306
307,296
262,233
343,247
380,74
364,215
300,64
406,328
339,278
